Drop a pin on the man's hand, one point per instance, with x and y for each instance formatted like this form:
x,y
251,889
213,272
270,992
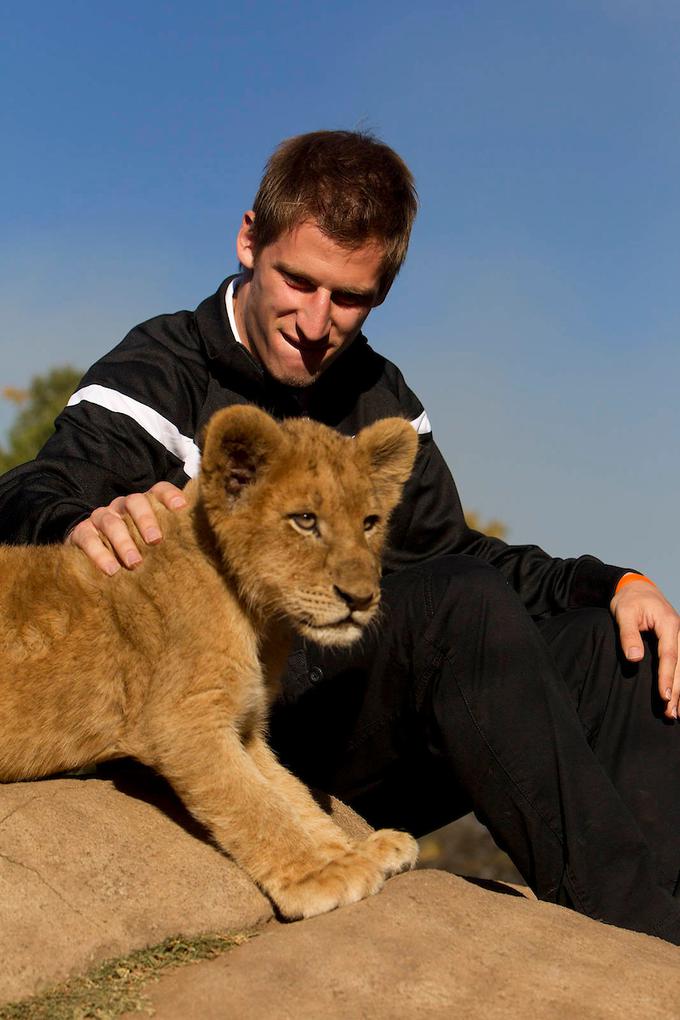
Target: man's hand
x,y
638,607
108,521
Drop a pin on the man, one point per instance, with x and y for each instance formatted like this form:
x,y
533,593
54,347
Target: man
x,y
496,681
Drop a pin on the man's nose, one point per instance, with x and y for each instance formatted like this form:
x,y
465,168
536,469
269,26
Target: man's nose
x,y
314,316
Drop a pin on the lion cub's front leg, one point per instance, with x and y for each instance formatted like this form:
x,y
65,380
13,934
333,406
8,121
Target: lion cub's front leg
x,y
354,865
269,823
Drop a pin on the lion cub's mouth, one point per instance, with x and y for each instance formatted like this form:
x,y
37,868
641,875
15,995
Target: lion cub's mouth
x,y
338,632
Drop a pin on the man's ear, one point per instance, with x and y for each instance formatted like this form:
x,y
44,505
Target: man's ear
x,y
382,294
245,249
240,444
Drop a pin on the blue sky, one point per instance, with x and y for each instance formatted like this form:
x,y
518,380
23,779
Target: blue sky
x,y
538,314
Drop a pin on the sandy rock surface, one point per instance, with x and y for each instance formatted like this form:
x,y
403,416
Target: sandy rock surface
x,y
93,868
434,946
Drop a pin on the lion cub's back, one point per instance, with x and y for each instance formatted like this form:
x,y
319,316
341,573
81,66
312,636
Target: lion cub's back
x,y
55,679
44,592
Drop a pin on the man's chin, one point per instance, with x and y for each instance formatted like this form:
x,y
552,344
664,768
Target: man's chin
x,y
297,366
304,373
296,382
296,376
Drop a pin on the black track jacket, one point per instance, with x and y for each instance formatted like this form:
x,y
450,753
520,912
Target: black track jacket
x,y
138,415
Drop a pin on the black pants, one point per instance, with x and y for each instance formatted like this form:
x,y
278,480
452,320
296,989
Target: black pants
x,y
459,701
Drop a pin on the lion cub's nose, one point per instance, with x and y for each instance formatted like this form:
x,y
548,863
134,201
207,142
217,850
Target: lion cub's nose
x,y
355,599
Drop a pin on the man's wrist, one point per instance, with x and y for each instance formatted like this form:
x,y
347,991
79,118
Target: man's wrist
x,y
629,578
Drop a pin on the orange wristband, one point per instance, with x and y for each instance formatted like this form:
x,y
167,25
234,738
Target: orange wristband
x,y
627,578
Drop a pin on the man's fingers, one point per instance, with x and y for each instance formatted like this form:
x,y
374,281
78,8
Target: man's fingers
x,y
109,523
138,506
86,537
673,706
631,641
640,606
669,679
141,512
169,495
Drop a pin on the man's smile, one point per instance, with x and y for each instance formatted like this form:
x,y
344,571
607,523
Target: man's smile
x,y
306,345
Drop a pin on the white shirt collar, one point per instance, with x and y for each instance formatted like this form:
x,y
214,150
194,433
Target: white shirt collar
x,y
229,302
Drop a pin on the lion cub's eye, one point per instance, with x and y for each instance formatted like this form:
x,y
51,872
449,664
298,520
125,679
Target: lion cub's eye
x,y
305,522
370,522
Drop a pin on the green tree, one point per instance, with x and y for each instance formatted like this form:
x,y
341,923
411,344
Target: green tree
x,y
38,406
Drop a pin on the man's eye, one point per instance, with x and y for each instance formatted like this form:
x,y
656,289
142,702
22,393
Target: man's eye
x,y
296,283
304,521
350,300
370,522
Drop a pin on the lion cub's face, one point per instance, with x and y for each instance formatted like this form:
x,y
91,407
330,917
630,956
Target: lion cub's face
x,y
300,514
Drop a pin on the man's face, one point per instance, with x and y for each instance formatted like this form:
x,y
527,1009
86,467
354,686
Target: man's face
x,y
305,300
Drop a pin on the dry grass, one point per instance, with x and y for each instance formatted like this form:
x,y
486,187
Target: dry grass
x,y
118,986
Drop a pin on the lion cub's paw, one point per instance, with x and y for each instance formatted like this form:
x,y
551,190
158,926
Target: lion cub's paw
x,y
350,877
391,850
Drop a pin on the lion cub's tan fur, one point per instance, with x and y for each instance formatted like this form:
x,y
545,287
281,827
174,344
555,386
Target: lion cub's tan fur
x,y
175,663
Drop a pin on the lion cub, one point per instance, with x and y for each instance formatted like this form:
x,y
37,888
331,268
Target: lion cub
x,y
175,663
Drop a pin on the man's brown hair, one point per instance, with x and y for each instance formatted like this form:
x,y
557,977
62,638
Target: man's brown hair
x,y
356,189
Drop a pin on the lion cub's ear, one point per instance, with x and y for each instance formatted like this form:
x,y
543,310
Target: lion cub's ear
x,y
391,446
240,443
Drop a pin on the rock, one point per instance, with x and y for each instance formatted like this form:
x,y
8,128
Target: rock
x,y
88,871
435,946
94,868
